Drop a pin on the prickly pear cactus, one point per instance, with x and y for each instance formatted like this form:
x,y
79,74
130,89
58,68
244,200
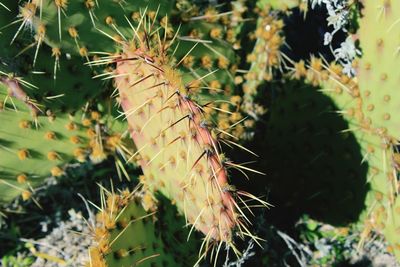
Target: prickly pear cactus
x,y
369,107
180,79
179,152
377,147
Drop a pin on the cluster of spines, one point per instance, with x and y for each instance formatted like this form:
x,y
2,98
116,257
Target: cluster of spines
x,y
209,165
125,234
265,58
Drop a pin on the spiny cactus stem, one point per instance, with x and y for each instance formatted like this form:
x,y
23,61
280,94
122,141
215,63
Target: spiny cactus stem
x,y
202,136
191,113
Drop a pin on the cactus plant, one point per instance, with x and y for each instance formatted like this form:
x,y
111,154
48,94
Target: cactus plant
x,y
377,148
202,169
173,138
370,111
180,78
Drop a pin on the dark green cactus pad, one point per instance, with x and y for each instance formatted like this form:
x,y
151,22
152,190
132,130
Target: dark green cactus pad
x,y
91,21
174,232
138,242
54,76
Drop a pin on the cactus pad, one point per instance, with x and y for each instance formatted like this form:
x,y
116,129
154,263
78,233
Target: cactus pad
x,y
33,146
378,72
126,235
178,150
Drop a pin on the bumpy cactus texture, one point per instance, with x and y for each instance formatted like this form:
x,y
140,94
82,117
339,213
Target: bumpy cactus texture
x,y
380,104
126,234
377,71
178,153
178,90
33,148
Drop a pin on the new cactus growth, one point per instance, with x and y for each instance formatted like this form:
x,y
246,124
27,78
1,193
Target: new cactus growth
x,y
178,149
369,106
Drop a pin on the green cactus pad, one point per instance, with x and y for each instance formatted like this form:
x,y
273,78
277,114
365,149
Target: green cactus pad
x,y
376,148
79,31
33,146
54,74
177,149
378,72
127,236
112,23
